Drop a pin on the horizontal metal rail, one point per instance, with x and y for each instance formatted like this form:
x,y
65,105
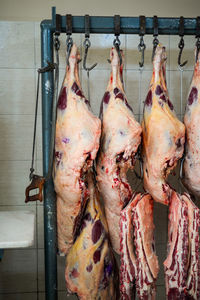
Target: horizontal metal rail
x,y
129,25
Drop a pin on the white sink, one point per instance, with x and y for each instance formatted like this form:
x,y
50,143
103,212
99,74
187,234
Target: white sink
x,y
16,229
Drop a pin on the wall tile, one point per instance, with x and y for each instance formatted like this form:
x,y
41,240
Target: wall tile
x,y
18,271
62,295
160,292
41,271
175,89
98,83
160,222
17,44
188,52
133,56
161,250
14,178
16,134
19,296
17,91
132,89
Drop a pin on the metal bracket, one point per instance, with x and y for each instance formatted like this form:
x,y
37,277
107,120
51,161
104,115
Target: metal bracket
x,y
155,26
117,25
68,24
87,26
142,21
181,26
58,25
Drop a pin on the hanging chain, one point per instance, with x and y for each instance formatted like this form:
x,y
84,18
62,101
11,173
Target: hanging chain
x,y
69,43
49,68
34,130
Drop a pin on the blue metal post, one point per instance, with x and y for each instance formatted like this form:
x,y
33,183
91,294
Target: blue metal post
x,y
49,193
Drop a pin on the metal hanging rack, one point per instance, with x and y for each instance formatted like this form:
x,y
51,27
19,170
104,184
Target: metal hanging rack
x,y
98,24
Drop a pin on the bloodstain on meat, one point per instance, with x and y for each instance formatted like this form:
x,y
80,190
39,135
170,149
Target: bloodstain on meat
x,y
163,97
97,231
193,96
62,100
158,90
74,273
97,256
89,268
170,104
106,97
76,90
116,91
148,100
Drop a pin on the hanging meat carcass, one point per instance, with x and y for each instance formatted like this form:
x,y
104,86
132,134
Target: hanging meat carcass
x,y
191,166
182,266
163,133
76,144
139,264
91,270
121,136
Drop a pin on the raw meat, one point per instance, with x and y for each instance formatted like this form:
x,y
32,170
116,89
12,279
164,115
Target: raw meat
x,y
139,263
76,144
163,133
191,166
182,266
121,136
91,270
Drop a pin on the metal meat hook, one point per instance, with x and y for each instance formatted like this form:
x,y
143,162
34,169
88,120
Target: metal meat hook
x,y
181,46
181,43
87,45
141,48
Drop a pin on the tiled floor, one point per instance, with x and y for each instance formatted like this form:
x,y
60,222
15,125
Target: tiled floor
x,y
22,270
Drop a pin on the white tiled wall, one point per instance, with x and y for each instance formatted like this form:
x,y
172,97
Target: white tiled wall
x,y
22,270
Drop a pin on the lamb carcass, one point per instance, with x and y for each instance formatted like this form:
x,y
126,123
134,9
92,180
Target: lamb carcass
x,y
163,133
76,144
191,165
121,136
139,263
91,270
182,266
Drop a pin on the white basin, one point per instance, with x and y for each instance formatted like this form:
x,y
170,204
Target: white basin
x,y
16,229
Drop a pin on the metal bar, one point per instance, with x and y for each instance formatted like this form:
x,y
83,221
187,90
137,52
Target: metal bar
x,y
127,25
49,193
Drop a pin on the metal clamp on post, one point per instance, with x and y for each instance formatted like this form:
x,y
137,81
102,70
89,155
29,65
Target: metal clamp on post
x,y
198,37
181,43
142,46
69,41
116,42
155,35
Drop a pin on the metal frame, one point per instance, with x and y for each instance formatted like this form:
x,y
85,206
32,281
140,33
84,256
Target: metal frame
x,y
129,25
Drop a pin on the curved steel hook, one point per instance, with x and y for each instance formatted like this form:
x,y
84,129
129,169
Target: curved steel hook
x,y
87,45
181,46
155,44
141,48
116,44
